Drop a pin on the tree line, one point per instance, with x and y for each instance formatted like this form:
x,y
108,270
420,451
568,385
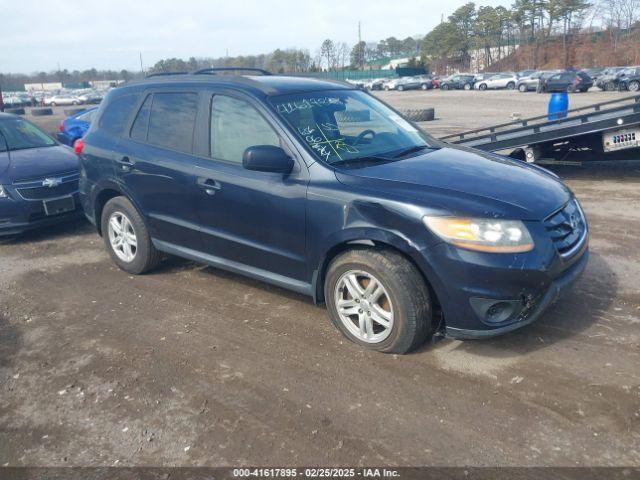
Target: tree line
x,y
474,37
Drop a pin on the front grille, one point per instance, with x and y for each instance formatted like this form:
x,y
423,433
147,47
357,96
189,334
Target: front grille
x,y
567,228
36,189
43,193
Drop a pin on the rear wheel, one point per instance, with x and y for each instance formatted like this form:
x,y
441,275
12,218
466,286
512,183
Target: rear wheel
x,y
400,88
467,86
634,86
609,87
483,86
127,238
424,86
511,86
379,300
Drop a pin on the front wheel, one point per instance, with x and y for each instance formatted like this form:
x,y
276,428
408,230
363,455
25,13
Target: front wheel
x,y
483,86
522,88
424,86
127,238
467,86
400,88
634,86
379,300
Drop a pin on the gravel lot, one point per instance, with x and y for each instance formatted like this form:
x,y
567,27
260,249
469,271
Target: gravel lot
x,y
190,365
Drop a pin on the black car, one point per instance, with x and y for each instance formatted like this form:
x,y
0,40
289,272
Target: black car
x,y
323,189
38,178
565,82
628,79
607,80
458,82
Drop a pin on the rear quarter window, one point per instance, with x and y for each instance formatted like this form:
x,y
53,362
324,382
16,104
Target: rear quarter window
x,y
115,118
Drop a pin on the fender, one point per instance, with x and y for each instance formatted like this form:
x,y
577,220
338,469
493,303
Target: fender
x,y
342,239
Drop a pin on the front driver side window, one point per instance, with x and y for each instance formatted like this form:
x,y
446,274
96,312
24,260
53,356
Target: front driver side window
x,y
235,126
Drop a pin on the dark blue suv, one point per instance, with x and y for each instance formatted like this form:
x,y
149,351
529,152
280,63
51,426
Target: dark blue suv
x,y
320,188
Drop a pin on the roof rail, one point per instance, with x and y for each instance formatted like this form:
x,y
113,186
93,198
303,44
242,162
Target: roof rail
x,y
214,71
165,74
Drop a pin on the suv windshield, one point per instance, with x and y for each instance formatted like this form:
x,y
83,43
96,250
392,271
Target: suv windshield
x,y
19,134
340,126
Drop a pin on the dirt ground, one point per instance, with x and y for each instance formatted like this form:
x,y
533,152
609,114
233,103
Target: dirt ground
x,y
190,365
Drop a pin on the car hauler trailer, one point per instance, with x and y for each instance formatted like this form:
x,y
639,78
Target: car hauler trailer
x,y
602,127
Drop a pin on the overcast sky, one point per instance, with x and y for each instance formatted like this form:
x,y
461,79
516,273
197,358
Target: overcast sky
x,y
36,35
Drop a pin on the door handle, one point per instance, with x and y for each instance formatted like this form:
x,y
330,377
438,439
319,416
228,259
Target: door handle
x,y
125,163
209,185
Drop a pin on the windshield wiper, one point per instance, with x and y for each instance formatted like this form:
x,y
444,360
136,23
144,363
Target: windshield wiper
x,y
414,149
366,158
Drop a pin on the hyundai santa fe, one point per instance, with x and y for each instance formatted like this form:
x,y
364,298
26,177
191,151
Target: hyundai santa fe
x,y
320,188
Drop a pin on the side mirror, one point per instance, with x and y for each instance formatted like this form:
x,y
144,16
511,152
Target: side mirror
x,y
267,158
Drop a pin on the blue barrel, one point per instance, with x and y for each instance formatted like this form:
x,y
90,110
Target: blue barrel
x,y
558,105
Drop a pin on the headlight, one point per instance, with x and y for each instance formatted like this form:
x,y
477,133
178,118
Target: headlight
x,y
482,234
3,192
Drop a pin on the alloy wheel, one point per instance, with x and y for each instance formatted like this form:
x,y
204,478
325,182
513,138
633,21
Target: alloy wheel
x,y
122,237
364,306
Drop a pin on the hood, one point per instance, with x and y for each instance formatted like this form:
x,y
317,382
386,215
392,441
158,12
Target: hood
x,y
34,163
464,181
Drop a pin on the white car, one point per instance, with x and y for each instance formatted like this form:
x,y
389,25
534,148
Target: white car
x,y
62,100
500,80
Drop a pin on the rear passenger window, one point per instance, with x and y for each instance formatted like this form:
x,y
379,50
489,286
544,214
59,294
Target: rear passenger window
x,y
172,120
114,119
236,126
139,129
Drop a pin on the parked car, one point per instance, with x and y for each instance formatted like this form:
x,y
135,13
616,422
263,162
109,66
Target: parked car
x,y
566,82
91,98
607,78
376,84
364,212
525,73
423,82
594,73
618,81
501,80
531,83
457,82
631,81
62,99
74,127
38,178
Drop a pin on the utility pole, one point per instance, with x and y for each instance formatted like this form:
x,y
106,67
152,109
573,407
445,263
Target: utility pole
x,y
1,101
141,67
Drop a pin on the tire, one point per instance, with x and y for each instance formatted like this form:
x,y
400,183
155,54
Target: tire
x,y
634,86
424,86
74,103
522,88
400,88
405,296
145,257
483,86
609,87
419,115
511,86
467,86
570,89
41,112
15,111
53,104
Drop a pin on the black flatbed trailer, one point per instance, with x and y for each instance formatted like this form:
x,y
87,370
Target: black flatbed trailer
x,y
601,127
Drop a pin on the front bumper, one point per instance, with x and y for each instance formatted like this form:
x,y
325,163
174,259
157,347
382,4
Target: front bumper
x,y
19,216
469,284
